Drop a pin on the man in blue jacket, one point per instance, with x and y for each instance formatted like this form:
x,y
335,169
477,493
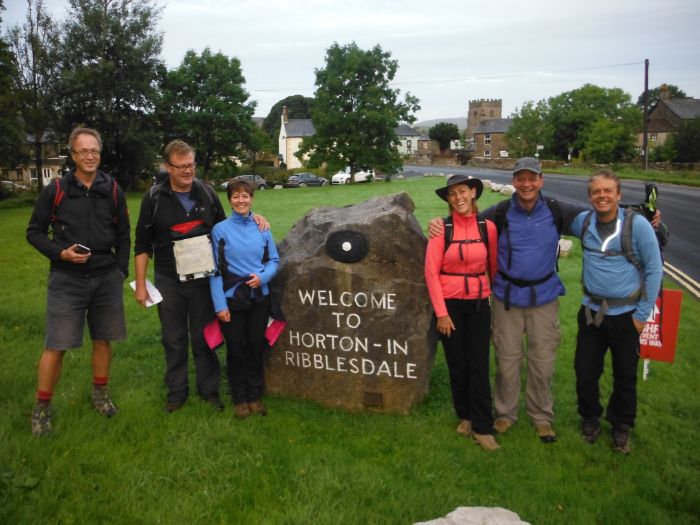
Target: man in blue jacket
x,y
89,253
622,273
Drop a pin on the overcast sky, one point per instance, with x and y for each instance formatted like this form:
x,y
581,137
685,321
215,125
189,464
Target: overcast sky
x,y
449,52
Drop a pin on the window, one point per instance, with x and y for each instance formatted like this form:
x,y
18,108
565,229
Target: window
x,y
408,144
32,174
652,137
487,153
487,139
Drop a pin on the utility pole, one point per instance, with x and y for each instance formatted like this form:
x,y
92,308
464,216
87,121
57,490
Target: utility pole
x,y
645,132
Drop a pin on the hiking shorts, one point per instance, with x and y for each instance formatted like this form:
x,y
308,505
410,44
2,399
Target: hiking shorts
x,y
72,299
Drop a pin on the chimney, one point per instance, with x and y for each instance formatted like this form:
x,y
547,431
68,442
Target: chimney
x,y
285,115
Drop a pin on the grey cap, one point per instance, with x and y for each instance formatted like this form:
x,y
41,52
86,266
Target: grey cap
x,y
527,164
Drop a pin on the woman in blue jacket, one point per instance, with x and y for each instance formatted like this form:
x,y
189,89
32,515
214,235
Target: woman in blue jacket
x,y
247,260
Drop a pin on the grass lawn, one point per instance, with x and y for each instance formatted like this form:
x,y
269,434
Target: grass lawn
x,y
306,464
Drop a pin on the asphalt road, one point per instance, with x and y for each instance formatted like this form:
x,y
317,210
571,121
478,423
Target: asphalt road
x,y
679,205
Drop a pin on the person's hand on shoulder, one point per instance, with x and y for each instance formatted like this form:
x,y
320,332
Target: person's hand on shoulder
x,y
261,221
436,227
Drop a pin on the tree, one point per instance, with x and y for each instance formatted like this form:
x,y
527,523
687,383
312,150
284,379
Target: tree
x,y
664,91
110,63
34,45
609,141
205,104
11,130
685,143
298,106
570,117
258,143
356,111
444,133
528,129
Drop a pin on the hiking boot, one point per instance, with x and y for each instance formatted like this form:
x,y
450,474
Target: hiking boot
x,y
241,411
173,406
103,403
464,427
545,433
621,439
257,407
501,425
486,441
590,430
42,419
215,403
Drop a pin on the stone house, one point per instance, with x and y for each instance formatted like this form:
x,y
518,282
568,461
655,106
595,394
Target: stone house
x,y
666,117
480,111
490,138
53,162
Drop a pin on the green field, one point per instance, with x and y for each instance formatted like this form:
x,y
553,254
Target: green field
x,y
307,464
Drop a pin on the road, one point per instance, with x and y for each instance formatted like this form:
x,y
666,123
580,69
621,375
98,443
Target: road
x,y
680,210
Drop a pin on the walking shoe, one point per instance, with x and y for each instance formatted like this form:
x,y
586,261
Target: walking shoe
x,y
502,425
257,407
173,406
590,430
42,419
621,439
241,410
464,427
215,403
486,441
102,402
545,433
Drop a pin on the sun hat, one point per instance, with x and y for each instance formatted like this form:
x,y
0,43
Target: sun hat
x,y
460,179
527,164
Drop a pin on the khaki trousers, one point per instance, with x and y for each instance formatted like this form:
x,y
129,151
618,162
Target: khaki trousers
x,y
540,325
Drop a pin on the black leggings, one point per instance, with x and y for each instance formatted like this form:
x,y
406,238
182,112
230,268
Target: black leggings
x,y
467,354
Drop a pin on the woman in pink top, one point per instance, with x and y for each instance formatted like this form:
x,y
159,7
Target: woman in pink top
x,y
459,268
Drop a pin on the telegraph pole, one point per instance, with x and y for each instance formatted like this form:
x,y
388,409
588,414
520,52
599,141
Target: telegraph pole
x,y
645,133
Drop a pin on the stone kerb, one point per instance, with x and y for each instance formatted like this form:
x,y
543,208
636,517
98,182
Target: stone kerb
x,y
359,334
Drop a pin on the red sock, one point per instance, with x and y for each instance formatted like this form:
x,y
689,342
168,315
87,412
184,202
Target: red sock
x,y
99,381
43,397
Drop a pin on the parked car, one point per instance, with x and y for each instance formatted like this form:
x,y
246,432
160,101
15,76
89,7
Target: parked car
x,y
13,186
305,179
364,176
342,177
255,180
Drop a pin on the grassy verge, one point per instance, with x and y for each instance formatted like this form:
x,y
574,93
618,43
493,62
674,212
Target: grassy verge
x,y
307,464
687,178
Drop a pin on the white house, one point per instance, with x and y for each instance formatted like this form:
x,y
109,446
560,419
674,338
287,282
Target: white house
x,y
408,139
292,132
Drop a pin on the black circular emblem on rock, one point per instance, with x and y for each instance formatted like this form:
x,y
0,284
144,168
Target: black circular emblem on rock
x,y
347,246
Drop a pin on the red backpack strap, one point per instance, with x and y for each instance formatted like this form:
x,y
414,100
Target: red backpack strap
x,y
57,199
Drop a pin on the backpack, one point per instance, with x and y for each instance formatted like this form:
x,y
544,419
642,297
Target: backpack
x,y
500,219
483,233
62,189
154,197
625,238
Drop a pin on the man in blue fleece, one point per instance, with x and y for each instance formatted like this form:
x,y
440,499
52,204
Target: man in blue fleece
x,y
619,292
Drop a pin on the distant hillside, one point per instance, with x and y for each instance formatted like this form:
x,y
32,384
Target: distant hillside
x,y
427,124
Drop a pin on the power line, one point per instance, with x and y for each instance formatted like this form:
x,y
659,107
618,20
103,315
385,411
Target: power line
x,y
496,76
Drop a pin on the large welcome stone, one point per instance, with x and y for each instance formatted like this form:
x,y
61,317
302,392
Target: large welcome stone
x,y
351,286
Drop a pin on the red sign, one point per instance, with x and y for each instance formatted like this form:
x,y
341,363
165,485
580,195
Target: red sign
x,y
658,339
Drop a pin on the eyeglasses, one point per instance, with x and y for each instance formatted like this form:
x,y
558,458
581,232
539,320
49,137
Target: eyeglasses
x,y
184,167
84,153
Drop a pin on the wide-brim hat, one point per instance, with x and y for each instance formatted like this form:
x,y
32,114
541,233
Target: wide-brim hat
x,y
460,179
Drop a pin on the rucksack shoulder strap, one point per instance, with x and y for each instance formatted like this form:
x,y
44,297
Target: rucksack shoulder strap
x,y
449,232
59,195
500,218
557,214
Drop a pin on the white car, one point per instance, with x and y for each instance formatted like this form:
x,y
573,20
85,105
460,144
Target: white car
x,y
342,177
364,176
